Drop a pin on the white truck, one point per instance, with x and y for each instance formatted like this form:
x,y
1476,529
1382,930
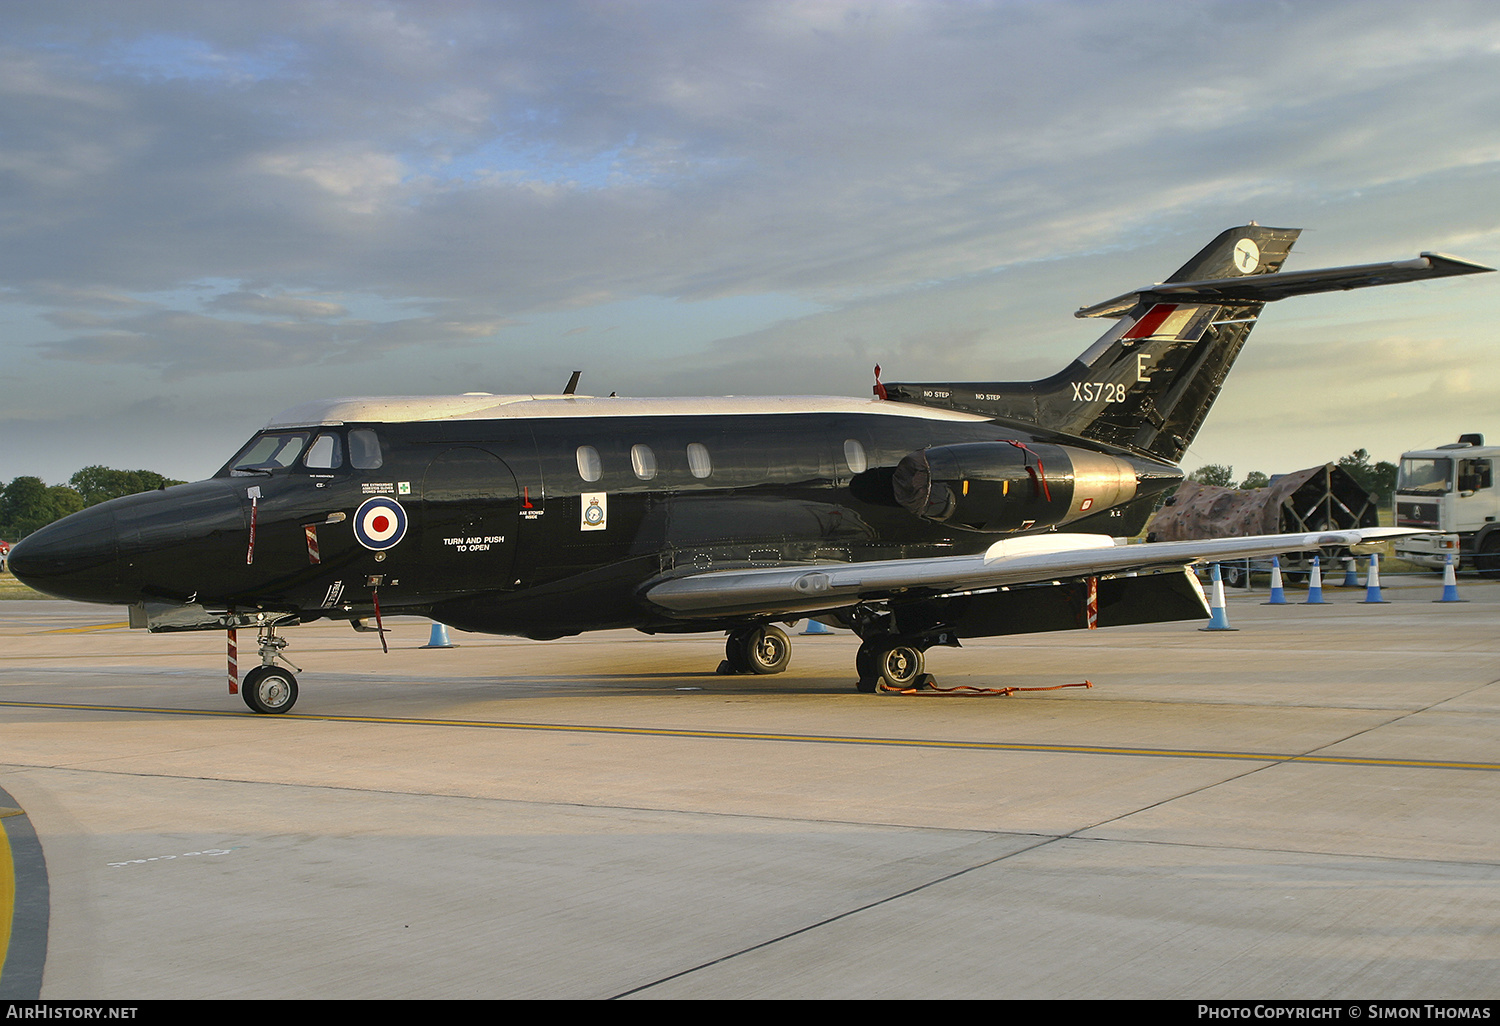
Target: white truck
x,y
1451,489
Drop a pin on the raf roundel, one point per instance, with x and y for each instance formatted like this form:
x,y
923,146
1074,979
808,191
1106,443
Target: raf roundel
x,y
380,523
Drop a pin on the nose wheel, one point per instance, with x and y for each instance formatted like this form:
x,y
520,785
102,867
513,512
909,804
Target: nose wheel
x,y
269,689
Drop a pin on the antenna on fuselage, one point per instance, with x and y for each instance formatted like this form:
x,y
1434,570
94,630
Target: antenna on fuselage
x,y
573,383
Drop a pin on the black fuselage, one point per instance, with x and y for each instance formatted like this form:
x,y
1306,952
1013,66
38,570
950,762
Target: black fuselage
x,y
500,536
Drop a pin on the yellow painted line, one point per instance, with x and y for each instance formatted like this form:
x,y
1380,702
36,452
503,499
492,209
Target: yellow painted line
x,y
825,739
88,629
7,892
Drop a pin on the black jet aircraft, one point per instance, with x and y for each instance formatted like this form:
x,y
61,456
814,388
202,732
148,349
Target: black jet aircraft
x,y
929,514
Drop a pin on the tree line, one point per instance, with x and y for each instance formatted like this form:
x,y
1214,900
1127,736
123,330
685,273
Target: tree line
x,y
27,503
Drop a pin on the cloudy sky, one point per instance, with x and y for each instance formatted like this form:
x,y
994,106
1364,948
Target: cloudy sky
x,y
212,211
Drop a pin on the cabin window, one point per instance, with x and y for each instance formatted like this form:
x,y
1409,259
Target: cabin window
x,y
698,460
324,453
854,455
643,462
364,449
589,467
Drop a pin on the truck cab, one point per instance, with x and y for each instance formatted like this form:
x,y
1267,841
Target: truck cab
x,y
1451,489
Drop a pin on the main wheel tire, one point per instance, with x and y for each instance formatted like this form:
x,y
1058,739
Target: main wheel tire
x,y
1235,577
1487,559
900,666
734,653
867,666
767,650
269,689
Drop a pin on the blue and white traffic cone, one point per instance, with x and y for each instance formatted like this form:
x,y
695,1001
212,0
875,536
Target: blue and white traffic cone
x,y
1450,582
439,637
1351,579
1278,593
1315,586
1218,620
814,627
1372,584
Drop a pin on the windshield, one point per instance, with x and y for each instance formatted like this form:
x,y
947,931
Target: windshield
x,y
268,452
315,450
1425,476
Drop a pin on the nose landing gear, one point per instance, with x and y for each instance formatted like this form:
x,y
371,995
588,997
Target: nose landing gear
x,y
268,688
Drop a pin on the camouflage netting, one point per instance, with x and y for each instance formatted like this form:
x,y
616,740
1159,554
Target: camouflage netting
x,y
1315,499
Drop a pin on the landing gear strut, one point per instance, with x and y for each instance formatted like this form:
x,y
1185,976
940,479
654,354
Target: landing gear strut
x,y
268,688
764,649
893,660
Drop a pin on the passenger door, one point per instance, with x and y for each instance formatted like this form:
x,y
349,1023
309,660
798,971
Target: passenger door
x,y
468,516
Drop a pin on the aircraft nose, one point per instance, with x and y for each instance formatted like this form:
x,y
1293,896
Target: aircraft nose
x,y
74,558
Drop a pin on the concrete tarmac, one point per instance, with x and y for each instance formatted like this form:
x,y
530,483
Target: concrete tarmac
x,y
1305,807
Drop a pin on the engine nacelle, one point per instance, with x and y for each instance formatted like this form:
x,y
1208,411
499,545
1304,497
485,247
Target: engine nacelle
x,y
996,487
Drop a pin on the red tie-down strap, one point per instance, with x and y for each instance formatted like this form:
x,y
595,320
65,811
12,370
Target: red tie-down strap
x,y
1039,475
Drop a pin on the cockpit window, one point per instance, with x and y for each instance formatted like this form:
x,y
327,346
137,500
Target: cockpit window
x,y
364,449
325,453
270,451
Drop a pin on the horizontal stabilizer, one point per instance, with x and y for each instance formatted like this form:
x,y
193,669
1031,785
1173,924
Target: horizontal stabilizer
x,y
1265,288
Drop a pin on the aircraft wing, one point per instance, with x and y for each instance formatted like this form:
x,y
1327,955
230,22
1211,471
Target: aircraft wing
x,y
1014,561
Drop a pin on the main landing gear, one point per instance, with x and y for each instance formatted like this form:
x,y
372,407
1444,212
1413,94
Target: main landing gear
x,y
268,688
763,649
892,661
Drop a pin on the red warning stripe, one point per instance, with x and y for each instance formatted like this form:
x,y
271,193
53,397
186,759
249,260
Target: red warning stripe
x,y
250,550
234,666
1147,325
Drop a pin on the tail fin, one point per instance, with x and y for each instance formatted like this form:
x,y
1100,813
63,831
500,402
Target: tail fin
x,y
1149,382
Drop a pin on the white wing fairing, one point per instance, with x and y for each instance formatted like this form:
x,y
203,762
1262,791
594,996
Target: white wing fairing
x,y
1011,562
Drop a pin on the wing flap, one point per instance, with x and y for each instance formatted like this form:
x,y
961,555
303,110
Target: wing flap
x,y
814,587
